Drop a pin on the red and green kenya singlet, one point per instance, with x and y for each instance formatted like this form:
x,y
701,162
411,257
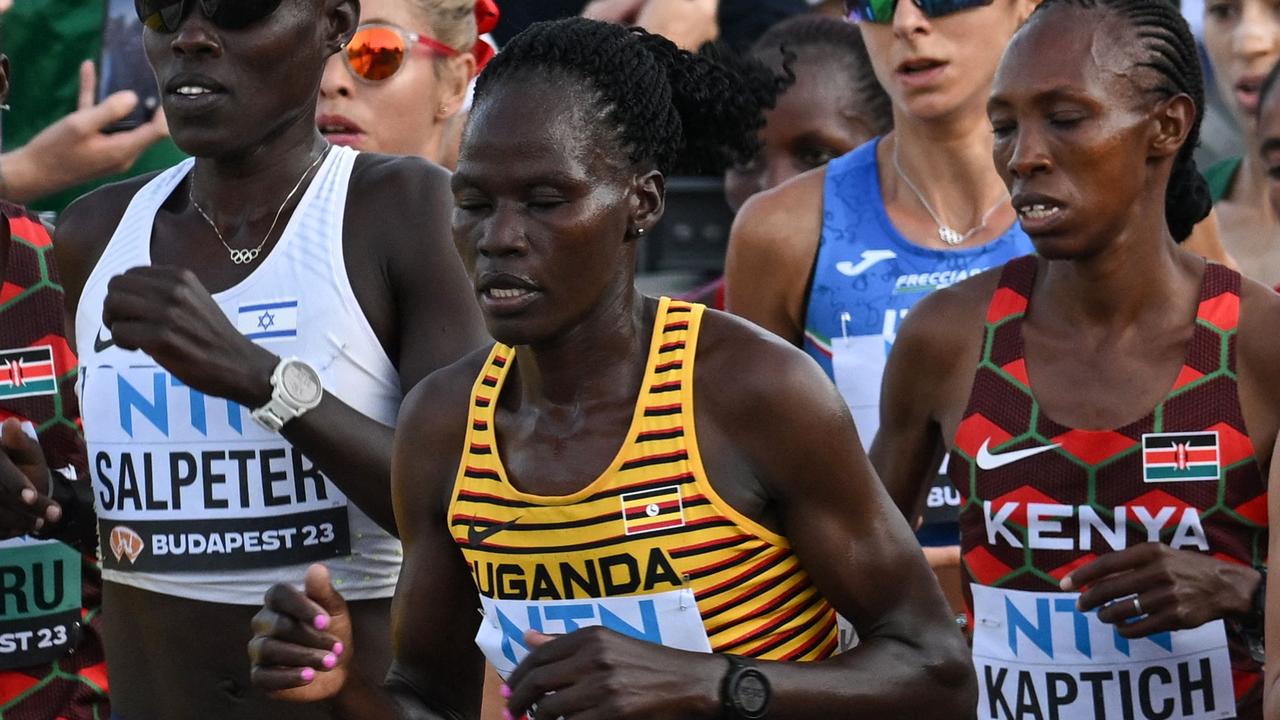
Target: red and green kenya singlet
x,y
51,660
648,549
1042,499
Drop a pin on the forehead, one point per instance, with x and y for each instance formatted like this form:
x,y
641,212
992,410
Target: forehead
x,y
526,124
1090,51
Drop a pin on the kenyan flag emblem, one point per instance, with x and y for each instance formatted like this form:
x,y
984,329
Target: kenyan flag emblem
x,y
1178,457
27,372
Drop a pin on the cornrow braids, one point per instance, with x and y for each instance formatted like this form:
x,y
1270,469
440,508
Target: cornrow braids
x,y
686,114
819,38
1169,52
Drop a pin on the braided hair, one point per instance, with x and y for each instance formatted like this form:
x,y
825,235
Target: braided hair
x,y
1169,51
829,40
682,113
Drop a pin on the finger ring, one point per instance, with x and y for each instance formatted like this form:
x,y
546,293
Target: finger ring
x,y
1137,607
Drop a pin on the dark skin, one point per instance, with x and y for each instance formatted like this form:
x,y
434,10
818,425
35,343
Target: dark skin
x,y
1103,344
561,222
816,120
253,140
1269,133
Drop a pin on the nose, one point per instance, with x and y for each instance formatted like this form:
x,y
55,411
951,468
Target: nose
x,y
503,234
909,20
336,81
195,36
1029,155
1258,33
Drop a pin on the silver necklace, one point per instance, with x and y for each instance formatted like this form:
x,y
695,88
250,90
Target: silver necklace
x,y
248,255
946,233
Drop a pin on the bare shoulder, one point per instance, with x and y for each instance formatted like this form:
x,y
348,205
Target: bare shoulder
x,y
1258,343
373,169
430,432
400,204
747,372
791,212
945,324
86,226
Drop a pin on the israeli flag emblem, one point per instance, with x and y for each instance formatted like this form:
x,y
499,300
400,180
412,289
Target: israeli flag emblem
x,y
267,321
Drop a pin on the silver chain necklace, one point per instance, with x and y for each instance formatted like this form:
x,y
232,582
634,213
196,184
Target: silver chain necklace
x,y
946,233
248,255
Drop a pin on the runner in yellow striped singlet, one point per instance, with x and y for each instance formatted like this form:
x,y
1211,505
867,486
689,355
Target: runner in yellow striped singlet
x,y
658,510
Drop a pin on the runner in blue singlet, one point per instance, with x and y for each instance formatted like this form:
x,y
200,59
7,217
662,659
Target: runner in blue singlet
x,y
833,260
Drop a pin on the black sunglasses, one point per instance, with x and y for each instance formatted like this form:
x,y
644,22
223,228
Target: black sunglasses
x,y
881,11
166,15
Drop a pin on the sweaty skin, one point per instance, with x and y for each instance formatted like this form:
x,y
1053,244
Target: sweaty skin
x,y
1103,343
563,220
253,145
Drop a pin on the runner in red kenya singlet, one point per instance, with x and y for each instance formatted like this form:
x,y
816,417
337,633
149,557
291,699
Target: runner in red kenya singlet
x,y
1110,406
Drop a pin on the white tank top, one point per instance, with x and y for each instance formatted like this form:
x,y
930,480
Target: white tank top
x,y
194,498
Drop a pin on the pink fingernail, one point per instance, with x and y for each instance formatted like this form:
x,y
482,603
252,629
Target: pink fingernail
x,y
504,691
308,675
29,496
321,622
338,648
329,661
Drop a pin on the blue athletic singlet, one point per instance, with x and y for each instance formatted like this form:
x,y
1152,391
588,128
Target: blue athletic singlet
x,y
866,277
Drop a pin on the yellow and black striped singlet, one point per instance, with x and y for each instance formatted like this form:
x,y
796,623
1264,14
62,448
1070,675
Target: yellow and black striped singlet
x,y
648,548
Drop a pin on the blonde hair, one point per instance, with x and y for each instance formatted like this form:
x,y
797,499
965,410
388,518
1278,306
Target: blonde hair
x,y
452,22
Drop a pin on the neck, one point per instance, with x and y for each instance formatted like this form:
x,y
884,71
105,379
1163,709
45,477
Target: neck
x,y
1251,188
1108,289
250,184
950,164
602,358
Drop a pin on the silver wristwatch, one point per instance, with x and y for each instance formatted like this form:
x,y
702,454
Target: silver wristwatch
x,y
295,389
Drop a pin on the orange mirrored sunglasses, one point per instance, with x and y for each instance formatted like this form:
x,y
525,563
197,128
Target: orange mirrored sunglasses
x,y
377,51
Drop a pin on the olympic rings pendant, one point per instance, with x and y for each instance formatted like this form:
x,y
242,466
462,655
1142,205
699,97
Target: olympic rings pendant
x,y
244,257
950,236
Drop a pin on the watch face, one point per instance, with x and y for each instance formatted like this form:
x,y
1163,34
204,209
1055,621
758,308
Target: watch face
x,y
752,693
301,383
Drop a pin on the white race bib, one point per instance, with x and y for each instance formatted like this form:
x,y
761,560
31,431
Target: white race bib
x,y
667,618
1038,657
858,363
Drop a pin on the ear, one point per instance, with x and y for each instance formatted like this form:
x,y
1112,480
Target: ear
x,y
1024,9
1171,124
454,80
342,16
648,202
4,79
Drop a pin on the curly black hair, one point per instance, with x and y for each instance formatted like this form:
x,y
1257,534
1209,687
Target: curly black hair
x,y
829,40
1169,51
685,114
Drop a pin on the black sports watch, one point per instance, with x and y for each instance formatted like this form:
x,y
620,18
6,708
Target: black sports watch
x,y
745,691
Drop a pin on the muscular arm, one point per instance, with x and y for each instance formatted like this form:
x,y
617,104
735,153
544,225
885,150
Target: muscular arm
x,y
927,379
438,670
434,321
1271,689
842,525
771,253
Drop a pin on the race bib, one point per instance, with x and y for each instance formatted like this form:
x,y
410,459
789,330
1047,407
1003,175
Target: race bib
x,y
859,363
1038,657
39,602
185,482
668,618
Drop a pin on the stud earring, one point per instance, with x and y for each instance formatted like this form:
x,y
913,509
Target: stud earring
x,y
640,231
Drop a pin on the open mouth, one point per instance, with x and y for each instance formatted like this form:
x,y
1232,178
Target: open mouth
x,y
338,129
920,66
1039,211
507,293
193,87
1248,92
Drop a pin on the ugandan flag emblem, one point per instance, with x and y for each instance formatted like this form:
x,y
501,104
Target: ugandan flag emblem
x,y
653,509
27,372
1179,457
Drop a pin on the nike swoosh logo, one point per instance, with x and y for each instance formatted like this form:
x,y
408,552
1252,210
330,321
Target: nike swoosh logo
x,y
870,258
100,345
988,461
476,537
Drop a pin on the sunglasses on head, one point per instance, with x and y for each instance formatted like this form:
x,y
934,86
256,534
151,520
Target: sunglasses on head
x,y
881,11
165,16
377,50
